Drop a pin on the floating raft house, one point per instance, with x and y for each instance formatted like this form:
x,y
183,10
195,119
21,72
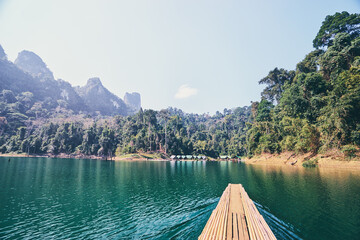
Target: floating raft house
x,y
236,217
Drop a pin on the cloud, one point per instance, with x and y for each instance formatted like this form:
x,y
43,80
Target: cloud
x,y
185,91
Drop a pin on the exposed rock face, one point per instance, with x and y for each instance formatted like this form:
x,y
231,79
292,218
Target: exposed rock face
x,y
2,54
133,101
98,98
16,80
71,97
31,63
30,74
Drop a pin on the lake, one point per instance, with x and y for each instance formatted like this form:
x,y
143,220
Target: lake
x,y
43,198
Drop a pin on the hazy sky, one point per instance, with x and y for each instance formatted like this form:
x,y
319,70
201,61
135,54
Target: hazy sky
x,y
197,55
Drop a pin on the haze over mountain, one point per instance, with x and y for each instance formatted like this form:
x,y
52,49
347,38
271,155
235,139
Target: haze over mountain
x,y
29,76
31,63
2,54
98,98
133,100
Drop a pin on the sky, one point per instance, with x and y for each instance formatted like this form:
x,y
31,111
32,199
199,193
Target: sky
x,y
197,55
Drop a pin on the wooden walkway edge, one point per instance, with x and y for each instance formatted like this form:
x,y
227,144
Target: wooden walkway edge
x,y
236,217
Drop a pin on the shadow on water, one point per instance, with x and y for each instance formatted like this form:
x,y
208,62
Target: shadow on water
x,y
71,198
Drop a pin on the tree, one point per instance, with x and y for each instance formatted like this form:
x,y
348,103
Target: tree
x,y
311,62
150,119
334,24
337,58
275,81
164,114
107,143
8,96
263,111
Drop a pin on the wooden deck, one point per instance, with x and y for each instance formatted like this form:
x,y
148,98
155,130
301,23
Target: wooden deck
x,y
236,217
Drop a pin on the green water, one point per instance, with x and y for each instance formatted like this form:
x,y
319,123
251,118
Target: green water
x,y
90,199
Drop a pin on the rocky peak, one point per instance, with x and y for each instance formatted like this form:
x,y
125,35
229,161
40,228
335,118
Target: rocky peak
x,y
70,96
99,99
94,81
93,87
2,54
31,63
133,101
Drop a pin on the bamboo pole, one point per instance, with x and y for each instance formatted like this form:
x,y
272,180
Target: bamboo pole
x,y
236,215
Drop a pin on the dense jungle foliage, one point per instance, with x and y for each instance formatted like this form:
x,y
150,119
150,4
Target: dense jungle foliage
x,y
317,106
170,131
313,108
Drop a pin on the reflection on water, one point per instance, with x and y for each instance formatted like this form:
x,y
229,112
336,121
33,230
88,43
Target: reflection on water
x,y
70,198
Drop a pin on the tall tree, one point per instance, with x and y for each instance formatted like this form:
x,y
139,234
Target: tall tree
x,y
275,81
334,24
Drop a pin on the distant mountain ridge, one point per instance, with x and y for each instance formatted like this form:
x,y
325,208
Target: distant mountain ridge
x,y
31,63
2,54
98,98
133,100
29,73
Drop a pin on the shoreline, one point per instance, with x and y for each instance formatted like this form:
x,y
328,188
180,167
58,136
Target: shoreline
x,y
329,161
289,159
50,156
68,156
129,157
116,158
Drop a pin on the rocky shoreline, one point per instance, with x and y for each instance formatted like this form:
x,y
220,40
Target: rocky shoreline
x,y
333,160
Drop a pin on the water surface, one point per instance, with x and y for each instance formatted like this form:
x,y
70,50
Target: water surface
x,y
44,198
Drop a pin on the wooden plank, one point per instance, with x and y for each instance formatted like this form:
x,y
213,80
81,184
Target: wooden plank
x,y
237,210
215,227
235,227
236,217
257,226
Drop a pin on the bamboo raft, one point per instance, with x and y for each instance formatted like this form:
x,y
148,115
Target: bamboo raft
x,y
236,217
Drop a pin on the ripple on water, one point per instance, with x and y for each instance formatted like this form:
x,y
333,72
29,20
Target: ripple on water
x,y
280,228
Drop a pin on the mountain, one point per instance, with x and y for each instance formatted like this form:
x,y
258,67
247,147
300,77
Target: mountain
x,y
31,63
133,101
2,54
70,97
101,100
30,74
16,80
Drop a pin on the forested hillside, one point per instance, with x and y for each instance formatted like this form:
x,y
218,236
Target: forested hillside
x,y
169,131
314,108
